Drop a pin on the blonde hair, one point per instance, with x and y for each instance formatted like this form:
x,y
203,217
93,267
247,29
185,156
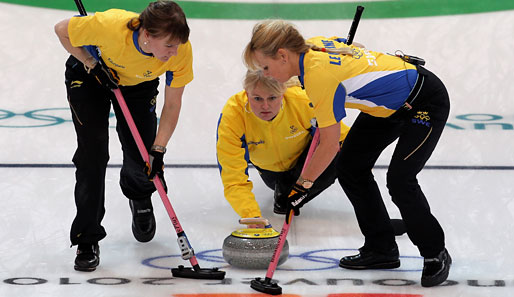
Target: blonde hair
x,y
254,77
271,35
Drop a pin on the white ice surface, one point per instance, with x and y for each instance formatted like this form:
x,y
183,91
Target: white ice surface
x,y
471,53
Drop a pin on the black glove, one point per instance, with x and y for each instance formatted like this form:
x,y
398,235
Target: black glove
x,y
106,76
295,199
155,166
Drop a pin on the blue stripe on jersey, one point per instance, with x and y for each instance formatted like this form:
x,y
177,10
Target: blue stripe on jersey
x,y
243,145
217,136
92,50
312,130
390,91
302,72
169,77
247,153
135,37
338,103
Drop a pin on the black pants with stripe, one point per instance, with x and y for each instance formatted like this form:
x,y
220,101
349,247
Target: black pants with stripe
x,y
417,132
90,106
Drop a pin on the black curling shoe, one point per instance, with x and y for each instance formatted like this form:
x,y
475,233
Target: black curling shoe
x,y
367,259
88,257
279,201
143,219
279,208
436,270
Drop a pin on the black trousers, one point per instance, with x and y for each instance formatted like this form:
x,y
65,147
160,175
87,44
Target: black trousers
x,y
417,132
90,106
282,182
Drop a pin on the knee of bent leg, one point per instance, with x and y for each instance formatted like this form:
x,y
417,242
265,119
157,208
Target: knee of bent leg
x,y
92,149
396,182
343,168
349,173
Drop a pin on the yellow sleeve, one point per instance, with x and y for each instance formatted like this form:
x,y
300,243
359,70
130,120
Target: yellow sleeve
x,y
232,157
182,71
98,29
321,87
80,30
344,131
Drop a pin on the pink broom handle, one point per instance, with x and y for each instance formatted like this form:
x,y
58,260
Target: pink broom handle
x,y
285,228
312,148
142,149
144,154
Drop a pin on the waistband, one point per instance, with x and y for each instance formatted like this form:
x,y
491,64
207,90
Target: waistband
x,y
409,102
413,95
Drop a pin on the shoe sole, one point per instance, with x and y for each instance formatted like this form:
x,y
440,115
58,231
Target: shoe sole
x,y
84,269
142,237
279,212
384,265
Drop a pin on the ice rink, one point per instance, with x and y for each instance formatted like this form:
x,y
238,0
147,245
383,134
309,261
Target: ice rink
x,y
469,180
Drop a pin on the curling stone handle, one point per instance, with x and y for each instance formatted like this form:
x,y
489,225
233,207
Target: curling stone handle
x,y
251,221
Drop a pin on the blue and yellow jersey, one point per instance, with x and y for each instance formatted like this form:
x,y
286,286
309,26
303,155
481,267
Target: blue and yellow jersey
x,y
273,145
375,83
120,50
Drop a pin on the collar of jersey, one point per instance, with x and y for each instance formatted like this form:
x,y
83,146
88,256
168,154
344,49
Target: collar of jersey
x,y
135,37
302,72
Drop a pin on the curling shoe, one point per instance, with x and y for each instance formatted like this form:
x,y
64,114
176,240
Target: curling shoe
x,y
143,219
88,257
367,259
436,270
279,208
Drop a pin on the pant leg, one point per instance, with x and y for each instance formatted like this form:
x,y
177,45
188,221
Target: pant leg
x,y
269,178
286,180
366,140
416,143
325,180
282,182
90,107
141,101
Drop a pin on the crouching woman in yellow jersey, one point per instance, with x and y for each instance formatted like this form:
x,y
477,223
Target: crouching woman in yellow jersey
x,y
269,126
136,49
398,101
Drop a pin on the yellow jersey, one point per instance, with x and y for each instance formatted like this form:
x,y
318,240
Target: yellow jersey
x,y
120,50
275,145
373,82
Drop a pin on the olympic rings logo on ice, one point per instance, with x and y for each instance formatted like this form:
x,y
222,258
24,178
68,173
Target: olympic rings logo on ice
x,y
317,260
37,118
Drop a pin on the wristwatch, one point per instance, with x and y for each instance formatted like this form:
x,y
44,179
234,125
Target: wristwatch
x,y
158,148
306,183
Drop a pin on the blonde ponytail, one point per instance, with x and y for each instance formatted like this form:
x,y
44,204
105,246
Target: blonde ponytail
x,y
271,35
340,50
293,82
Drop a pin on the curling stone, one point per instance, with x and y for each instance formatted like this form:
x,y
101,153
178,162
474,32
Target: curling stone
x,y
253,248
